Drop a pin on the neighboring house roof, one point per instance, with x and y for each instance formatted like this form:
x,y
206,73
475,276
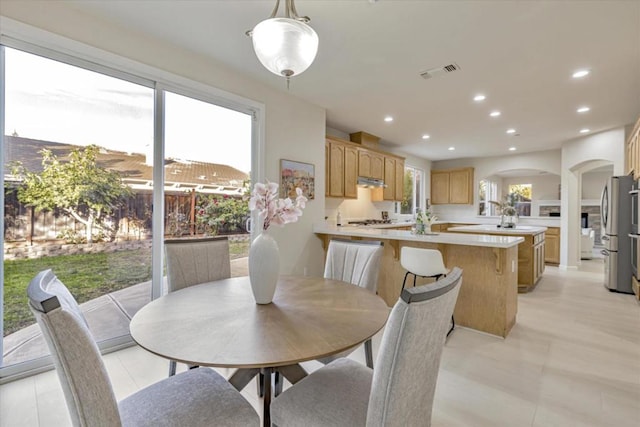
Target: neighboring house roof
x,y
180,175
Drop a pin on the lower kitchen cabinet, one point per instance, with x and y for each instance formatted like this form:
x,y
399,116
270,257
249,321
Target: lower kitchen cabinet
x,y
552,246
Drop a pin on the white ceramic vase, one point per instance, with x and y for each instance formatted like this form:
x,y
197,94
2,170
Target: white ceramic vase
x,y
264,267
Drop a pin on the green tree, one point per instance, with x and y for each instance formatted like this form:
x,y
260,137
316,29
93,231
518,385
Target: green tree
x,y
79,187
406,206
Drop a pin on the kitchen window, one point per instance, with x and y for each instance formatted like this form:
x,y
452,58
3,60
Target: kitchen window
x,y
523,198
487,191
413,191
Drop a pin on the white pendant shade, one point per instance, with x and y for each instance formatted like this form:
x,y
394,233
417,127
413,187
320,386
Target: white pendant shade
x,y
285,46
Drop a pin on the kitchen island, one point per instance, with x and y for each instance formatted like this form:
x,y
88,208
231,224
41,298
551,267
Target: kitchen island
x,y
488,296
531,253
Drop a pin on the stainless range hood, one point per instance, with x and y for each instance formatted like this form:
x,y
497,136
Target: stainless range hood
x,y
370,182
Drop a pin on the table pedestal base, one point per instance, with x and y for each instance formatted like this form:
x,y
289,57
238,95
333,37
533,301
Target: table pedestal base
x,y
242,377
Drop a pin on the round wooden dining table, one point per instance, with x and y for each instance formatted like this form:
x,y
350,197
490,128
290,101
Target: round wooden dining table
x,y
219,324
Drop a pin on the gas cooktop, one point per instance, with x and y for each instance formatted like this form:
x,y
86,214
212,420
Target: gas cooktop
x,y
370,222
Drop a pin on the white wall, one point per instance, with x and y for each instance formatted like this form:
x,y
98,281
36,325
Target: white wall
x,y
293,129
579,156
593,183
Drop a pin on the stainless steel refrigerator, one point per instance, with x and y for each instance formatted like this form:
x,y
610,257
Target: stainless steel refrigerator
x,y
616,225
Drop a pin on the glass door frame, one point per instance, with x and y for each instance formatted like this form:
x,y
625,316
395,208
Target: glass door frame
x,y
96,60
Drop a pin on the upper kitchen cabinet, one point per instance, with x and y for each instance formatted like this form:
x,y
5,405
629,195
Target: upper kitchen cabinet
x,y
452,186
399,180
370,164
393,178
633,152
342,169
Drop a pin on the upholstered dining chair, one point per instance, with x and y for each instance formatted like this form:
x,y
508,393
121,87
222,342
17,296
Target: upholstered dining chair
x,y
400,390
356,262
198,397
194,261
421,262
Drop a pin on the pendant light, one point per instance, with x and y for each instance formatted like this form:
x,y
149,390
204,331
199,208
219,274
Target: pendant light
x,y
286,46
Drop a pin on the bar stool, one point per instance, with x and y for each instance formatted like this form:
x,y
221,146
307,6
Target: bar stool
x,y
423,263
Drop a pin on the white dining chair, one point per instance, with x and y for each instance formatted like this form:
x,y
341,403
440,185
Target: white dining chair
x,y
198,397
400,390
356,262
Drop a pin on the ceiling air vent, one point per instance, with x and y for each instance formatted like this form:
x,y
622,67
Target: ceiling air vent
x,y
435,72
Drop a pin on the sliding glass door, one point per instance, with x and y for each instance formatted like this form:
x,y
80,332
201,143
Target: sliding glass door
x,y
80,177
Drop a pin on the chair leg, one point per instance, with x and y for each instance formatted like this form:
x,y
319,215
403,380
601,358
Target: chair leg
x,y
172,368
260,382
278,380
368,353
453,325
405,279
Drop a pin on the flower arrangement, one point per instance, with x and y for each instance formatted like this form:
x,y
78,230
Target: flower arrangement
x,y
507,210
426,217
507,207
424,221
264,199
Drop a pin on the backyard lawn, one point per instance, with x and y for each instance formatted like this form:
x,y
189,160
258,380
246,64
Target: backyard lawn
x,y
87,276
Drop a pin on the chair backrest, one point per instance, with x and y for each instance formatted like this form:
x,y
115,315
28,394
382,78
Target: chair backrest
x,y
354,261
422,262
408,361
85,382
194,261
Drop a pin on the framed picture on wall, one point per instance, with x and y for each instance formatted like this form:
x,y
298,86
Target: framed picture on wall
x,y
297,174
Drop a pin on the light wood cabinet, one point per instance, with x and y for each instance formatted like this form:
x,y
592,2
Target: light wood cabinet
x,y
635,286
341,170
399,184
370,164
389,192
632,159
538,257
393,179
530,254
350,172
452,186
552,246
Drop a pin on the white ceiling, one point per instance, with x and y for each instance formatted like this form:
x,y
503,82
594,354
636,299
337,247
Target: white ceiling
x,y
520,54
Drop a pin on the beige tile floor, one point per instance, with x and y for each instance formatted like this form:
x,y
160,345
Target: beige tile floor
x,y
573,359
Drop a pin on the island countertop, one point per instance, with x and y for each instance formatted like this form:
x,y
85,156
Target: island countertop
x,y
443,238
519,230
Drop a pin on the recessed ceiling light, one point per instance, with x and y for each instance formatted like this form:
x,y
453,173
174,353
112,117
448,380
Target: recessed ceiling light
x,y
583,109
495,113
585,130
425,136
479,97
512,148
511,131
388,119
580,73
452,148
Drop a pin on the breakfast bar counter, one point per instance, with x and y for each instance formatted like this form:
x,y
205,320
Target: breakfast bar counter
x,y
488,296
531,253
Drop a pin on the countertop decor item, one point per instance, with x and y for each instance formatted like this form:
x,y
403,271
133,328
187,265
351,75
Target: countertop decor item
x,y
264,254
508,211
286,46
424,220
